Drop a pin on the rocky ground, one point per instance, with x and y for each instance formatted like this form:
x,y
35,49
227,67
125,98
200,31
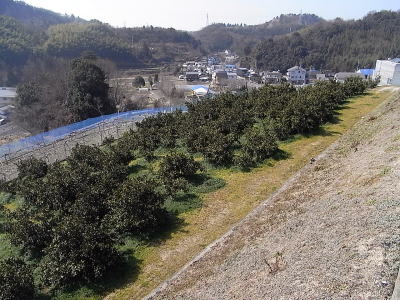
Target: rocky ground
x,y
331,232
11,132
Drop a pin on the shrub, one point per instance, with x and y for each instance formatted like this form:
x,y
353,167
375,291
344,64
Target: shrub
x,y
32,167
80,252
178,165
258,143
16,281
136,207
354,86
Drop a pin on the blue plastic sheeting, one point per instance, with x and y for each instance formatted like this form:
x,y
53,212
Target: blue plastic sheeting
x,y
59,133
195,87
367,72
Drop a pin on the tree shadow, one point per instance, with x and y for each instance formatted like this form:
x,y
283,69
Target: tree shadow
x,y
133,169
174,224
320,131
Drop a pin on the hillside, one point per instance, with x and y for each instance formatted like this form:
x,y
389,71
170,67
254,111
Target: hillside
x,y
28,32
34,16
16,41
70,40
240,38
331,232
161,44
338,45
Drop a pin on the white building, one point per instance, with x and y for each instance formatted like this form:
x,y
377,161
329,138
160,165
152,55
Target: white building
x,y
296,75
342,76
388,71
7,95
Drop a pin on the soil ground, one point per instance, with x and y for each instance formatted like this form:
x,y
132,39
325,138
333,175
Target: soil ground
x,y
331,232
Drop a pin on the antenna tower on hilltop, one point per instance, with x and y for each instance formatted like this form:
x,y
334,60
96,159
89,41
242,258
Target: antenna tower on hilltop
x,y
208,21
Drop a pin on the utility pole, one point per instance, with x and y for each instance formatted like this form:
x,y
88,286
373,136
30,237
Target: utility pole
x,y
208,21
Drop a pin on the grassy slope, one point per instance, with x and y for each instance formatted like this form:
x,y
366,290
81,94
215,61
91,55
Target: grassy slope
x,y
243,192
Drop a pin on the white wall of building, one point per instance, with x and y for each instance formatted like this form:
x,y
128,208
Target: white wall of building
x,y
388,71
297,75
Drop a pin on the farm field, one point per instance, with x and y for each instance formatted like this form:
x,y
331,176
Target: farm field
x,y
243,192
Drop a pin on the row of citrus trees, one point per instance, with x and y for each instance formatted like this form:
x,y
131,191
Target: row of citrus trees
x,y
72,216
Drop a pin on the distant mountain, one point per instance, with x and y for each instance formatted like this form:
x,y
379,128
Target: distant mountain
x,y
33,16
241,38
337,45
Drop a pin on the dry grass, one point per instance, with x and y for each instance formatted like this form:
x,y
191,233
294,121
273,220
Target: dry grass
x,y
243,192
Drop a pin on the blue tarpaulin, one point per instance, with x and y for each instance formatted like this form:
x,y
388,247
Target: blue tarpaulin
x,y
59,133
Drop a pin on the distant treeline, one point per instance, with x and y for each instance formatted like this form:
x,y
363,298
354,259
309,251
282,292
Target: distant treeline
x,y
242,38
338,45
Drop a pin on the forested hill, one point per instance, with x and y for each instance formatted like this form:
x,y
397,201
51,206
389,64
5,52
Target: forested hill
x,y
28,33
338,45
34,16
241,38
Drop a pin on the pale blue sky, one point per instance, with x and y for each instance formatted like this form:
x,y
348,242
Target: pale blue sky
x,y
192,14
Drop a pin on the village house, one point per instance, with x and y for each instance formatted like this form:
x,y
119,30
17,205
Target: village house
x,y
220,77
230,68
388,71
311,75
7,94
272,77
322,77
296,75
192,76
242,72
255,77
342,76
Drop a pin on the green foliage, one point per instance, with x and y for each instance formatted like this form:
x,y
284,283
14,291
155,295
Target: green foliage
x,y
182,202
70,40
87,95
136,207
258,143
16,43
65,207
28,93
162,130
176,169
355,86
16,281
32,167
209,185
178,165
336,45
122,151
80,252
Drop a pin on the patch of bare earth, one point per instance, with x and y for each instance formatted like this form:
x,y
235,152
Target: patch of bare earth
x,y
331,232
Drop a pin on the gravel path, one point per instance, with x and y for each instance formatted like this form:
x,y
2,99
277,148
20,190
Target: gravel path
x,y
332,232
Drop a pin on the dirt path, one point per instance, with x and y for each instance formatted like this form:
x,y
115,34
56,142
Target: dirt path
x,y
332,232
